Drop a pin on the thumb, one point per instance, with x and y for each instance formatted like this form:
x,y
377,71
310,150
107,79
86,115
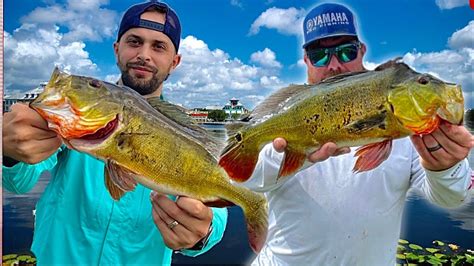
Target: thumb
x,y
279,144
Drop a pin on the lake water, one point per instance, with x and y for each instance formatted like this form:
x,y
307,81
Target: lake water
x,y
422,224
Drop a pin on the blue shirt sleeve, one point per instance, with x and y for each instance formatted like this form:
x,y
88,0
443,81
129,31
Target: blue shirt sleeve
x,y
22,177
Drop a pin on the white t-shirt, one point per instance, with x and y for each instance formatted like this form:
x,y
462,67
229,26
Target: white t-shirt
x,y
328,215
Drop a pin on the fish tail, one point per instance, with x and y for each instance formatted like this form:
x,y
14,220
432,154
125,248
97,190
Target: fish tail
x,y
238,158
256,215
253,204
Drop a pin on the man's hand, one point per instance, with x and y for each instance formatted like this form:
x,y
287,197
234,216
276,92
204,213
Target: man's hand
x,y
327,150
444,147
182,223
26,136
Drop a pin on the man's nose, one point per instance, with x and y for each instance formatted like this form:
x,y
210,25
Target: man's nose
x,y
144,53
334,64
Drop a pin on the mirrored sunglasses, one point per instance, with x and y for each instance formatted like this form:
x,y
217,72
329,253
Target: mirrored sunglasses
x,y
345,53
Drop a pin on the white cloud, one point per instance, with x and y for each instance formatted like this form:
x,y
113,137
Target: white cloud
x,y
463,38
450,65
370,65
55,35
31,53
84,19
270,82
112,78
286,21
211,77
265,58
450,4
85,5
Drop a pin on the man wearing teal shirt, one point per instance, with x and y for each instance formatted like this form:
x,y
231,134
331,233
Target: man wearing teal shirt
x,y
76,219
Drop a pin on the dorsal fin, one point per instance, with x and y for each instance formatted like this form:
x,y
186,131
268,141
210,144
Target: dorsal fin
x,y
176,114
274,103
171,111
390,63
340,77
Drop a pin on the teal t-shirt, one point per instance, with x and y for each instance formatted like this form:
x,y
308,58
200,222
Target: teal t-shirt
x,y
78,222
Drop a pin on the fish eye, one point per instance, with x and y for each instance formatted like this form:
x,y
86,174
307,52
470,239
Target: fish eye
x,y
95,83
238,137
423,80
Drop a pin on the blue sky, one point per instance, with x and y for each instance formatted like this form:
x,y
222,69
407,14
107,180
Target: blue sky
x,y
233,48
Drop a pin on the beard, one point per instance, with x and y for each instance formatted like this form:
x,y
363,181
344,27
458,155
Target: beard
x,y
142,86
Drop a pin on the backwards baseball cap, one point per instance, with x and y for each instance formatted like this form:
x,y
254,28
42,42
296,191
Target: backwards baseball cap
x,y
171,28
328,20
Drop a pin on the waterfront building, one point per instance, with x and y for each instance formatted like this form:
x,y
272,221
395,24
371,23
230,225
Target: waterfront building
x,y
234,109
27,97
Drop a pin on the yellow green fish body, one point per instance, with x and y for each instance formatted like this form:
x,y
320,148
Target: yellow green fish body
x,y
142,145
366,109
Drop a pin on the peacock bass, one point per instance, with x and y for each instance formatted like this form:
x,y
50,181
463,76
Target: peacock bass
x,y
367,109
142,145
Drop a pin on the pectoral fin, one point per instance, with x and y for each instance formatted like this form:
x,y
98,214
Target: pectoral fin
x,y
293,160
372,155
377,120
118,180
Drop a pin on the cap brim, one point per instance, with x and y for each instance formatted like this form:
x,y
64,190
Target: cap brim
x,y
328,36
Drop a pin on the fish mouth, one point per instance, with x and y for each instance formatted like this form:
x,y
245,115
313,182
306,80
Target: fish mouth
x,y
96,138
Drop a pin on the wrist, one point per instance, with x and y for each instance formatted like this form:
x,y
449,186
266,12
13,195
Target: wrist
x,y
203,241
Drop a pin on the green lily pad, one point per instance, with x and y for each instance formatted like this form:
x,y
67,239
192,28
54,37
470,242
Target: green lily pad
x,y
415,247
23,257
432,250
433,261
438,243
403,241
401,256
9,256
10,262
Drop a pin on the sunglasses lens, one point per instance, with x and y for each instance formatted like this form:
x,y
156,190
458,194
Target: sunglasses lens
x,y
319,58
347,53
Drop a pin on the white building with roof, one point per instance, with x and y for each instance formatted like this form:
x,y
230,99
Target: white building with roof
x,y
28,96
234,108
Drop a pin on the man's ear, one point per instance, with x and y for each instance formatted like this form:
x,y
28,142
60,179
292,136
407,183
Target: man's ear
x,y
176,61
306,59
116,45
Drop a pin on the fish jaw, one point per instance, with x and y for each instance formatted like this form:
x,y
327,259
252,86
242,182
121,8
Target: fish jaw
x,y
421,110
453,110
73,127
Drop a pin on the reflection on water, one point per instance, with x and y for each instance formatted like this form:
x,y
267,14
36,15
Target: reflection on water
x,y
422,224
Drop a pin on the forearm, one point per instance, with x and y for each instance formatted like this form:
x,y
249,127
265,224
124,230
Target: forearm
x,y
448,188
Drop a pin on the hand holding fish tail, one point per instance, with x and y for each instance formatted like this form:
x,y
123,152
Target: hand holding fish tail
x,y
182,223
26,136
327,150
444,147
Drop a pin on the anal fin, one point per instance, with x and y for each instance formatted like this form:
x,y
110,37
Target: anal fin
x,y
219,203
372,155
118,180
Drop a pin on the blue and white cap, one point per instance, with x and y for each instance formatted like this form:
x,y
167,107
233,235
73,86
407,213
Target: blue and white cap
x,y
328,20
171,28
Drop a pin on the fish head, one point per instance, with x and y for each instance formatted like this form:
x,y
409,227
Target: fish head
x,y
421,101
78,107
